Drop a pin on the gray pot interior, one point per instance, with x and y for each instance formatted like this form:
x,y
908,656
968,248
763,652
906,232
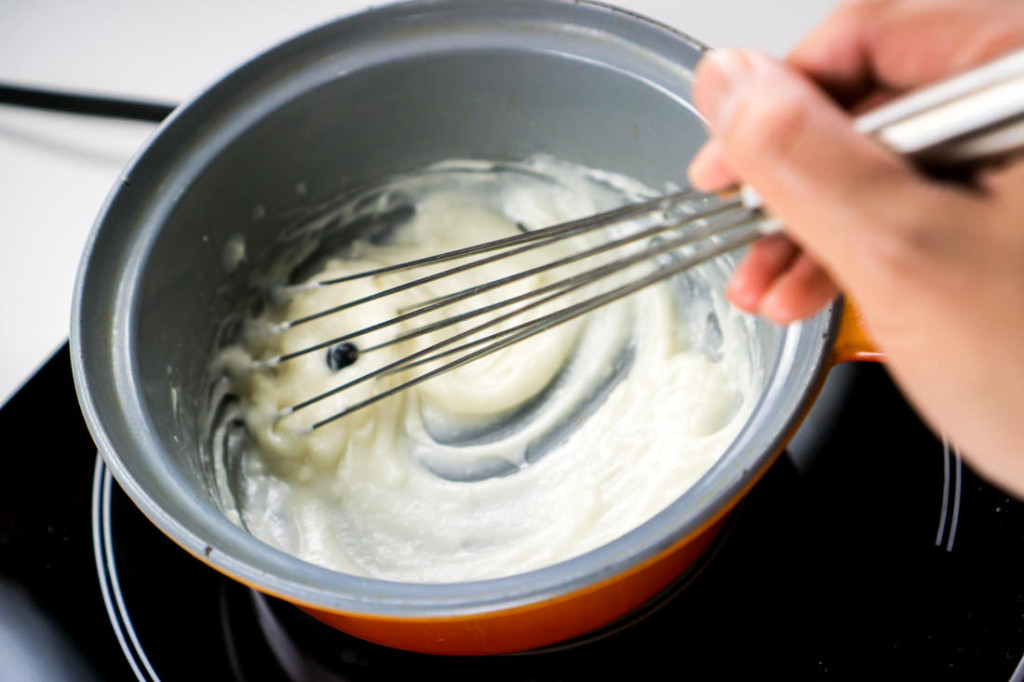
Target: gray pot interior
x,y
382,92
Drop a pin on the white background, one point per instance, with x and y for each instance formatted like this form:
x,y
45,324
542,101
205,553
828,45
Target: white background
x,y
55,169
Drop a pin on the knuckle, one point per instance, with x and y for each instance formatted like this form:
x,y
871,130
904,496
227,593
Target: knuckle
x,y
771,125
902,250
918,232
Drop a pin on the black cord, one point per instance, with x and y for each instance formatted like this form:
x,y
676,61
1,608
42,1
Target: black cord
x,y
76,103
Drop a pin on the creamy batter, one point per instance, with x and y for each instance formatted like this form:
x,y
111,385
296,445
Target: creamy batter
x,y
530,456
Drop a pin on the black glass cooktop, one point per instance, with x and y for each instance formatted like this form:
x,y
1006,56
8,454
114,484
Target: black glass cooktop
x,y
881,558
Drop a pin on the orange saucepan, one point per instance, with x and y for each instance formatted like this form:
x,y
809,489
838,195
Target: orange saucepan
x,y
386,91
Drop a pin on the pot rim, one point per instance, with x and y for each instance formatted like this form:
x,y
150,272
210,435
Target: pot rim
x,y
803,358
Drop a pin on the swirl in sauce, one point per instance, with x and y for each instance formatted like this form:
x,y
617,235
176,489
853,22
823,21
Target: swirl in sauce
x,y
527,457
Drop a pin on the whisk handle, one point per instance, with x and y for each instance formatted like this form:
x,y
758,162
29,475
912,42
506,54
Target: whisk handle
x,y
968,119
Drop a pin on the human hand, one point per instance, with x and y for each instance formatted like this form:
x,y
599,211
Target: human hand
x,y
936,268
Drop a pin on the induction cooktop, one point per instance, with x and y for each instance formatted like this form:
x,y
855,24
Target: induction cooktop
x,y
879,555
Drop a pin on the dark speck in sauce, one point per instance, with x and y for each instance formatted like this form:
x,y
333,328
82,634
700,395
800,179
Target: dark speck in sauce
x,y
342,355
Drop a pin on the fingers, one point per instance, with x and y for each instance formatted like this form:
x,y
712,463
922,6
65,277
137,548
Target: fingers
x,y
837,54
766,261
784,137
802,290
900,44
779,282
864,214
709,170
867,50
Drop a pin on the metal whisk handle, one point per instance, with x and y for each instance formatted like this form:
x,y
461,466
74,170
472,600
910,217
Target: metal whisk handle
x,y
970,118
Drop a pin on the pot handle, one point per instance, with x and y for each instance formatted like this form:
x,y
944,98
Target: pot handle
x,y
852,340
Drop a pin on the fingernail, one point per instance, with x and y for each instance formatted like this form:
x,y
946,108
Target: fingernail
x,y
722,79
772,309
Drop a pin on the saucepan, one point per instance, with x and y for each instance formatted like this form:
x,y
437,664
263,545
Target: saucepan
x,y
386,91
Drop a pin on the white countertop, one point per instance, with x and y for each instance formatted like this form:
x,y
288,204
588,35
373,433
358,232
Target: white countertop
x,y
56,169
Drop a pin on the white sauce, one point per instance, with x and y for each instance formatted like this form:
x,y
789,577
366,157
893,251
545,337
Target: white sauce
x,y
233,254
373,493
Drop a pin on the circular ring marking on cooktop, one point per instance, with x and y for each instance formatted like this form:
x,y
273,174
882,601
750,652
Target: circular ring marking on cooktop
x,y
106,568
950,489
281,629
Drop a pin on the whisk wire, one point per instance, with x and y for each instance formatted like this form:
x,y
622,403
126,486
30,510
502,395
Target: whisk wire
x,y
742,237
561,231
434,304
742,233
974,117
529,240
560,287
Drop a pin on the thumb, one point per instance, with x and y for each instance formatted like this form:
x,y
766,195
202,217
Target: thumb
x,y
833,187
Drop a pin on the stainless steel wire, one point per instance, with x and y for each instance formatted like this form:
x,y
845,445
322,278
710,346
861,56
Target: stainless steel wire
x,y
736,226
972,117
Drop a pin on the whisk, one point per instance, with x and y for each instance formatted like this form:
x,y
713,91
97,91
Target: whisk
x,y
976,116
